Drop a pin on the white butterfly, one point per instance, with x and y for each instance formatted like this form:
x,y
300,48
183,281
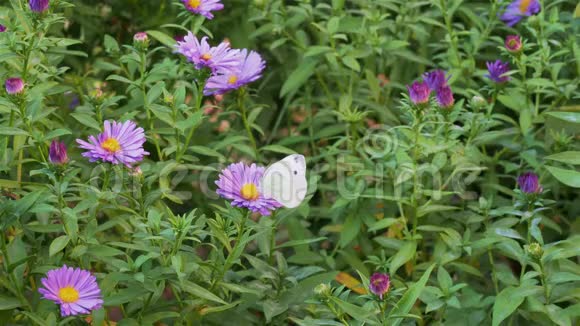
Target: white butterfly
x,y
285,181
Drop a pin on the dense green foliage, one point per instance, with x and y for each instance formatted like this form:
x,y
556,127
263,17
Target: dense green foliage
x,y
426,194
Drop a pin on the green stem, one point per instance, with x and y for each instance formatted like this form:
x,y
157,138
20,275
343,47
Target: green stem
x,y
198,102
143,70
242,107
544,282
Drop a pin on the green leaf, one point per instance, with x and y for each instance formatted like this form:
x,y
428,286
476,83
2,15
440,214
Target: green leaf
x,y
9,303
152,318
58,244
294,243
163,38
409,298
506,302
351,62
278,149
568,177
354,311
402,256
200,292
111,44
86,120
571,157
572,117
12,131
383,224
350,229
56,133
298,77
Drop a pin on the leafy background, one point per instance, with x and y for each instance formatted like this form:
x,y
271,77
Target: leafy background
x,y
431,201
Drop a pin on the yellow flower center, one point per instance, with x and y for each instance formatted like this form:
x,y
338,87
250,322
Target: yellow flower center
x,y
524,5
194,3
206,56
233,79
68,294
250,192
111,145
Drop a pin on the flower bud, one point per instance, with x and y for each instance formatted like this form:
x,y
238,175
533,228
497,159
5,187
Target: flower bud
x,y
535,250
2,28
419,92
445,97
322,290
513,43
38,5
14,86
529,183
478,102
57,154
380,283
141,40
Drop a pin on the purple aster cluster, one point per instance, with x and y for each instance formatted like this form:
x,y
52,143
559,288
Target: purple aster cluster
x,y
380,283
518,9
74,289
433,81
203,7
241,184
497,70
230,68
119,143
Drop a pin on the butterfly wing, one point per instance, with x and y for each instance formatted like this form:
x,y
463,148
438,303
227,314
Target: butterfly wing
x,y
285,181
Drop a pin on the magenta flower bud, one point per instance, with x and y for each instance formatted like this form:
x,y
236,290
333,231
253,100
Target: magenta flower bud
x,y
57,153
14,86
38,5
380,284
419,92
513,43
529,183
140,37
445,97
497,70
2,28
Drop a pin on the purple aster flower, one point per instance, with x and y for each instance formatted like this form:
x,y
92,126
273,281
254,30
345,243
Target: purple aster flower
x,y
57,153
221,57
519,9
38,5
74,289
445,97
118,143
513,43
529,183
2,28
203,7
250,70
380,284
419,92
497,70
14,86
242,185
435,79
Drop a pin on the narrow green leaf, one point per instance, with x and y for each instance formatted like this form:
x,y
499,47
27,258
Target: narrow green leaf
x,y
409,298
58,244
